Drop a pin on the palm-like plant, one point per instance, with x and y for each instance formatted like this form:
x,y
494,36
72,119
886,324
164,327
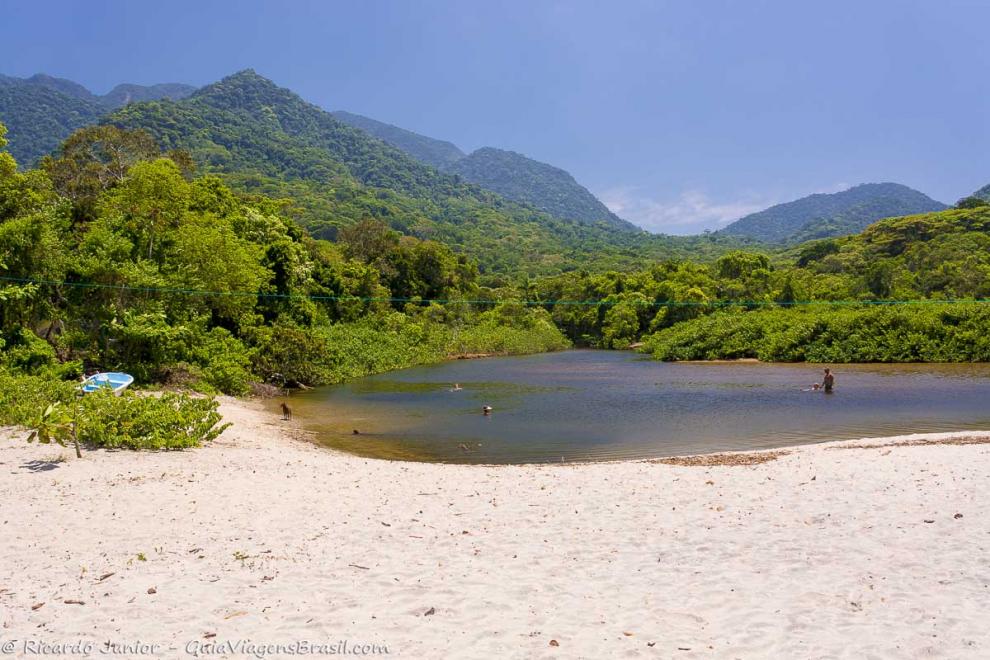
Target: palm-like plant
x,y
56,425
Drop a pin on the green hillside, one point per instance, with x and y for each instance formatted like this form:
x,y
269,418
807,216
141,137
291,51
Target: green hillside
x,y
511,175
42,110
265,139
438,153
60,85
824,215
837,299
543,186
39,117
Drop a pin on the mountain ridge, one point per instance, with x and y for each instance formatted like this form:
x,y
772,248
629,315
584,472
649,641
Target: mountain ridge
x,y
824,215
513,175
432,151
41,111
265,139
543,186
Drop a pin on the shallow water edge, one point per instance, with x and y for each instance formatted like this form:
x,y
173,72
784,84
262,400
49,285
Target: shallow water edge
x,y
587,405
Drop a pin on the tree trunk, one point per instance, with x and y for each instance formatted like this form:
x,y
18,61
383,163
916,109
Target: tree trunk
x,y
75,441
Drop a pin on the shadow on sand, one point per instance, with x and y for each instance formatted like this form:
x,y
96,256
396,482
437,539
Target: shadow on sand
x,y
41,466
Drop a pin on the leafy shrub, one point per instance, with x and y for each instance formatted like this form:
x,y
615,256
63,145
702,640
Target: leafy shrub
x,y
23,396
321,356
142,343
131,421
26,351
878,333
509,331
225,361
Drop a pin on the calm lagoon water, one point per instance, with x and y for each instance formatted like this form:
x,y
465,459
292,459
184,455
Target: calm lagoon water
x,y
608,405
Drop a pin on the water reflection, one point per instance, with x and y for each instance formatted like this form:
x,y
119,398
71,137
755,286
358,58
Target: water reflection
x,y
603,405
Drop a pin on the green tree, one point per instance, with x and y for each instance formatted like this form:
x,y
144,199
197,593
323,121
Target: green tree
x,y
369,241
623,321
972,202
151,199
880,279
95,159
737,265
206,255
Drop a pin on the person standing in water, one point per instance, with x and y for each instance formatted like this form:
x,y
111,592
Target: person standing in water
x,y
828,381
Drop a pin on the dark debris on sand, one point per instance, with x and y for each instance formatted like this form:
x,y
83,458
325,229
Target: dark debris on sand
x,y
960,440
711,460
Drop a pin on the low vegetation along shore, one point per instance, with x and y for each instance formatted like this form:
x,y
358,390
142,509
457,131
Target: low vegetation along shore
x,y
869,548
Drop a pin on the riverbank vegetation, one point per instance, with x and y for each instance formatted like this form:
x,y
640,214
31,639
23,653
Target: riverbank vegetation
x,y
892,273
954,332
117,255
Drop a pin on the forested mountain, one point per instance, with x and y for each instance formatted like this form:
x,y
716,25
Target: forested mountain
x,y
41,111
438,153
120,95
543,186
508,173
61,85
823,215
983,193
39,117
265,139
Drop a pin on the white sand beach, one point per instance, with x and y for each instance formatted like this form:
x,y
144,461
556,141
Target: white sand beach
x,y
828,551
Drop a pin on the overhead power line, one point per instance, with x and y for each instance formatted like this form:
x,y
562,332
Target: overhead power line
x,y
451,301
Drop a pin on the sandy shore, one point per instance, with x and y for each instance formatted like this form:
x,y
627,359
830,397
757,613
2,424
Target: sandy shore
x,y
826,551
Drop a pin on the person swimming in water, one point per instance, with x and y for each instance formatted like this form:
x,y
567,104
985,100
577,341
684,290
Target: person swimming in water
x,y
828,381
486,410
456,388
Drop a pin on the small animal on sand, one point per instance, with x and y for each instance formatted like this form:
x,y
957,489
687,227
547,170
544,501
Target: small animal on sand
x,y
355,432
486,410
286,411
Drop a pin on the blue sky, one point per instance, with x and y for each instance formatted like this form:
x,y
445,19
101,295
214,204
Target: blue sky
x,y
680,115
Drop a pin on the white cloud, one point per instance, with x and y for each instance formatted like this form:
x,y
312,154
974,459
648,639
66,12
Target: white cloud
x,y
691,212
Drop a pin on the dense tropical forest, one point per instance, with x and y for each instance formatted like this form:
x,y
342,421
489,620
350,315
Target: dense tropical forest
x,y
241,238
